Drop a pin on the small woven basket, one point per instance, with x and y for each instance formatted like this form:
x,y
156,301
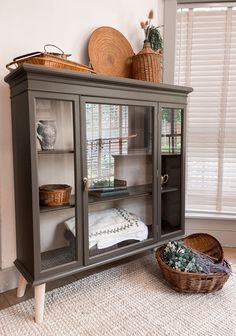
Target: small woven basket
x,y
146,65
54,194
186,282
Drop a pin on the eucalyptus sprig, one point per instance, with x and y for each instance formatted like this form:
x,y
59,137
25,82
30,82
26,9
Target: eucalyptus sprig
x,y
185,259
182,258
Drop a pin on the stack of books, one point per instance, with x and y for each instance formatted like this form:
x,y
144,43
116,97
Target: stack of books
x,y
118,188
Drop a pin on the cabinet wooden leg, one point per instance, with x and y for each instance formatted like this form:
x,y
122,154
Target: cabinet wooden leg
x,y
21,286
39,295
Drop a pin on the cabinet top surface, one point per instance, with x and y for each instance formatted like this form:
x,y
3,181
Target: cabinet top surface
x,y
38,71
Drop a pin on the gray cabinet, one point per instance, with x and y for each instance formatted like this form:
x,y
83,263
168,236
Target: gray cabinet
x,y
119,146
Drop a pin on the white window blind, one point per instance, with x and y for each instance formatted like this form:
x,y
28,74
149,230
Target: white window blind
x,y
105,125
206,60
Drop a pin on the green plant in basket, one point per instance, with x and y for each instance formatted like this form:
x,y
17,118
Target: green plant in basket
x,y
180,257
155,38
152,34
185,259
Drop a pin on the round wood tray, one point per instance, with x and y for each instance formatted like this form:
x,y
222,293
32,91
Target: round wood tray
x,y
110,52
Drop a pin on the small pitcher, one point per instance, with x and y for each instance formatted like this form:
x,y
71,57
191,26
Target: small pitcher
x,y
46,133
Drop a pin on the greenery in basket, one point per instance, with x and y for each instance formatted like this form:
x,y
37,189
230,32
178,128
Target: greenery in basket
x,y
180,257
185,259
152,33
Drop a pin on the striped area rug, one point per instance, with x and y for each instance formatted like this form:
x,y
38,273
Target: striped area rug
x,y
126,300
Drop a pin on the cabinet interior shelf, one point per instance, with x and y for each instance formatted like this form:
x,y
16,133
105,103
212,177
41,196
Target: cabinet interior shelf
x,y
57,257
55,151
59,207
170,154
169,189
134,191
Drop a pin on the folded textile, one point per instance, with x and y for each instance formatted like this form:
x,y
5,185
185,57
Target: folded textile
x,y
112,226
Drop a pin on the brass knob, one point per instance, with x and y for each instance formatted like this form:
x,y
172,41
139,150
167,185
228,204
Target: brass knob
x,y
85,183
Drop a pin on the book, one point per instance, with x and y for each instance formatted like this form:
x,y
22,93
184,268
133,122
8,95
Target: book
x,y
107,189
121,192
113,186
120,183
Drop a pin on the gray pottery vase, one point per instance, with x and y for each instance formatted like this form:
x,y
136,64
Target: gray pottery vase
x,y
46,133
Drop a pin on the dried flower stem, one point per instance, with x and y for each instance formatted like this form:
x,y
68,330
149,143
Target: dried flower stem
x,y
147,24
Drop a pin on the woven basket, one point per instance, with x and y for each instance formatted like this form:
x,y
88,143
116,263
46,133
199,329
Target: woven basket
x,y
54,194
48,60
206,244
146,65
186,282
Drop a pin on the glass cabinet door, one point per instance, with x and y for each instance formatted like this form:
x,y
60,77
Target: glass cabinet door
x,y
118,176
55,144
172,166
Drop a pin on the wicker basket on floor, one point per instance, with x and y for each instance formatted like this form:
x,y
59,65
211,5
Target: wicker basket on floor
x,y
206,244
186,282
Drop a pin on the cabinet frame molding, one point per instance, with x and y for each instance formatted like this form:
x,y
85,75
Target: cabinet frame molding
x,y
179,233
129,248
74,99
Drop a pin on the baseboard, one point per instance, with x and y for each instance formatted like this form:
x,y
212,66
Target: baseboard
x,y
8,279
223,230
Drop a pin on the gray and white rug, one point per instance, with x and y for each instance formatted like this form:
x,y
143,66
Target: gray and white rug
x,y
126,300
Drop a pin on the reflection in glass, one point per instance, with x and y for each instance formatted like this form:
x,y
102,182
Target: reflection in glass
x,y
171,148
171,130
55,147
119,167
107,135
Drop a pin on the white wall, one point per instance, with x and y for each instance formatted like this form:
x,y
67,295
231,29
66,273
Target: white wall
x,y
27,25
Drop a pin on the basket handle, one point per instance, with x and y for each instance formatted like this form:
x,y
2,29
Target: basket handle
x,y
54,46
18,58
8,66
39,136
35,53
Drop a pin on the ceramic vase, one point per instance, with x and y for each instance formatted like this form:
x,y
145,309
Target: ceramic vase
x,y
46,133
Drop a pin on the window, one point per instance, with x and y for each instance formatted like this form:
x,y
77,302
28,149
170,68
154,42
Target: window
x,y
206,60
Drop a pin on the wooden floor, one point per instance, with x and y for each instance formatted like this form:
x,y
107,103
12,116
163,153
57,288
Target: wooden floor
x,y
9,298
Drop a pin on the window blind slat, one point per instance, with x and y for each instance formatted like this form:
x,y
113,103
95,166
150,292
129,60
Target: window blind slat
x,y
206,60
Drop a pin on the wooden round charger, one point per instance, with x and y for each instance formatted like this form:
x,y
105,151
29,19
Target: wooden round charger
x,y
110,52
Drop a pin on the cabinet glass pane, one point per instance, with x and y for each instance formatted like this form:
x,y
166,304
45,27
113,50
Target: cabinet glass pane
x,y
171,148
56,181
119,170
171,130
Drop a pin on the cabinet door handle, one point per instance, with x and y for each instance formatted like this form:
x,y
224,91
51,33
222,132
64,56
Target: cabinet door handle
x,y
85,184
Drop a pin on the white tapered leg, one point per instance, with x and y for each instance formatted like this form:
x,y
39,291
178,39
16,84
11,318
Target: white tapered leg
x,y
21,286
39,295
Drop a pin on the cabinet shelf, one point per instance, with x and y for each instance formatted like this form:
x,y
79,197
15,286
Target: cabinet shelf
x,y
171,154
59,207
57,257
134,192
169,189
55,151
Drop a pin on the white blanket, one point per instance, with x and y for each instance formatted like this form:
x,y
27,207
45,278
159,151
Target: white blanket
x,y
112,226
